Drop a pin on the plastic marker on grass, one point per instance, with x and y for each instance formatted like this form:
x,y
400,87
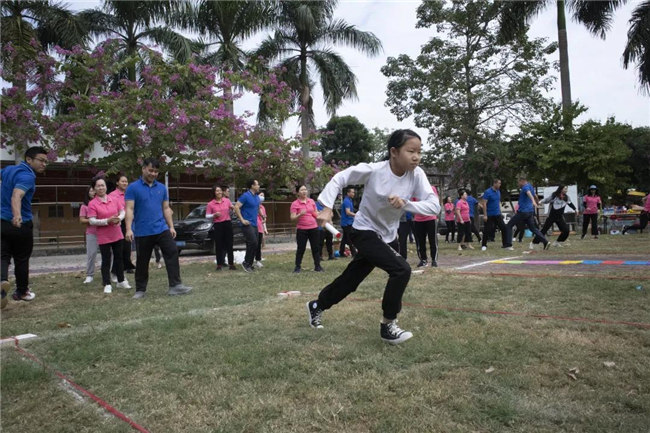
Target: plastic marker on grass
x,y
330,228
289,293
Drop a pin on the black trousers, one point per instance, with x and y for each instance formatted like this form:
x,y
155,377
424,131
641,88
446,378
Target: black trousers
x,y
451,229
326,239
222,236
464,232
127,264
586,219
372,252
557,218
474,230
112,251
643,222
17,243
403,233
258,251
424,230
250,235
491,225
528,219
144,246
301,239
346,240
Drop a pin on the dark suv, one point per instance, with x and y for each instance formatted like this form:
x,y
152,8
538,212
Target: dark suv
x,y
192,232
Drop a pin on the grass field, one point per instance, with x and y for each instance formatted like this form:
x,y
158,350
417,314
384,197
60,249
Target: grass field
x,y
235,357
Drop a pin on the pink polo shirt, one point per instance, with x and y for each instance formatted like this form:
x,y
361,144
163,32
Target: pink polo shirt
x,y
591,204
421,218
449,212
308,220
83,212
260,220
464,210
119,196
223,207
100,210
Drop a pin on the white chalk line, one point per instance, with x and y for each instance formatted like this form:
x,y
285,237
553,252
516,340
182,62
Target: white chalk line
x,y
487,262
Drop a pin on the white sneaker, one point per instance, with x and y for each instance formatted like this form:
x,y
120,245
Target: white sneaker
x,y
483,248
259,264
460,248
108,288
557,244
531,246
88,280
113,278
509,248
159,265
123,285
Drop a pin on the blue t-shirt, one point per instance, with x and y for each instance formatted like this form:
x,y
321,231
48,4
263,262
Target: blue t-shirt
x,y
472,202
493,199
409,216
250,205
319,207
148,218
525,203
346,220
22,177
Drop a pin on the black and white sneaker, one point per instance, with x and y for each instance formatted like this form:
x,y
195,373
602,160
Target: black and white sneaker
x,y
247,268
422,264
315,314
393,334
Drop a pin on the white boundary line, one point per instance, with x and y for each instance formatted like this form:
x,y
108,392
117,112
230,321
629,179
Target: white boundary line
x,y
485,263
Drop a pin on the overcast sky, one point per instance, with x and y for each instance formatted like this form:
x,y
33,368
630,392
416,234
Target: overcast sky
x,y
598,79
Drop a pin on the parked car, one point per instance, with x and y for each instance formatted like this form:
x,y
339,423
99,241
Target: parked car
x,y
192,232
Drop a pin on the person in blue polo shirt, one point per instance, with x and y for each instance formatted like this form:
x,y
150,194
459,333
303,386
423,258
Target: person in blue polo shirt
x,y
491,204
525,213
149,220
18,186
347,218
246,209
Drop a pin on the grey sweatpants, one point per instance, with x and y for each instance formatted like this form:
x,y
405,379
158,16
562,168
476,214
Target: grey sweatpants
x,y
91,254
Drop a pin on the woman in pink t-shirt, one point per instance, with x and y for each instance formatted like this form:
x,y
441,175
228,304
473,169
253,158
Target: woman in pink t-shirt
x,y
450,218
426,227
219,210
463,220
592,205
91,236
106,214
303,210
261,231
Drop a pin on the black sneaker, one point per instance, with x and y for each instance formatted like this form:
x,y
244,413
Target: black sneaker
x,y
434,264
296,270
393,334
246,267
547,245
319,269
219,267
331,258
315,314
422,263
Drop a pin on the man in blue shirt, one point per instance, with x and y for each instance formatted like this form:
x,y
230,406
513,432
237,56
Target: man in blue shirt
x,y
347,218
149,220
18,186
246,209
491,204
525,213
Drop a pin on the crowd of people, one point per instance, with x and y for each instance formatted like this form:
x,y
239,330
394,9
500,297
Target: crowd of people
x,y
398,202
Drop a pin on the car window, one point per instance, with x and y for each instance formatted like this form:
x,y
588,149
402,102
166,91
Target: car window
x,y
198,212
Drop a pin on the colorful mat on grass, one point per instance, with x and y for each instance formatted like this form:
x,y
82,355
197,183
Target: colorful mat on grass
x,y
573,262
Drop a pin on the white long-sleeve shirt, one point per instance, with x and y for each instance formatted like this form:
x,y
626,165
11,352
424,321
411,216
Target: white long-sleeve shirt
x,y
375,212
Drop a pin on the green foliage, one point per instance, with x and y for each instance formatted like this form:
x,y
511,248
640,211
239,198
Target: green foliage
x,y
378,143
638,140
345,139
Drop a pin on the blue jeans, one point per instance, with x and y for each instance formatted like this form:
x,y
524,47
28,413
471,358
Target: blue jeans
x,y
528,218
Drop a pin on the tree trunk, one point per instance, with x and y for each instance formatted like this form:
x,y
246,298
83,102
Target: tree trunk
x,y
230,106
565,81
305,123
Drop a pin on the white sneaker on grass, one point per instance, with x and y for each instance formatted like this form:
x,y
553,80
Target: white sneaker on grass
x,y
123,285
557,244
483,248
258,264
108,288
88,280
393,334
113,278
531,246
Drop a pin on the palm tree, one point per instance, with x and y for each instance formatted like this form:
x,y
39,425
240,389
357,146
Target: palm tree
x,y
302,42
595,15
134,22
638,44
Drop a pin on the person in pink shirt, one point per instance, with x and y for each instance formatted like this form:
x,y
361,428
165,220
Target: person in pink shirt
x,y
592,205
106,214
219,210
91,236
303,210
261,231
643,218
450,219
426,227
463,220
118,194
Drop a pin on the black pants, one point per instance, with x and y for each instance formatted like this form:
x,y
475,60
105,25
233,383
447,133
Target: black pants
x,y
326,239
17,243
491,225
586,219
372,252
301,239
144,246
451,229
557,218
643,222
112,251
258,251
464,232
222,236
346,240
250,235
474,230
528,219
403,233
156,252
424,230
127,264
